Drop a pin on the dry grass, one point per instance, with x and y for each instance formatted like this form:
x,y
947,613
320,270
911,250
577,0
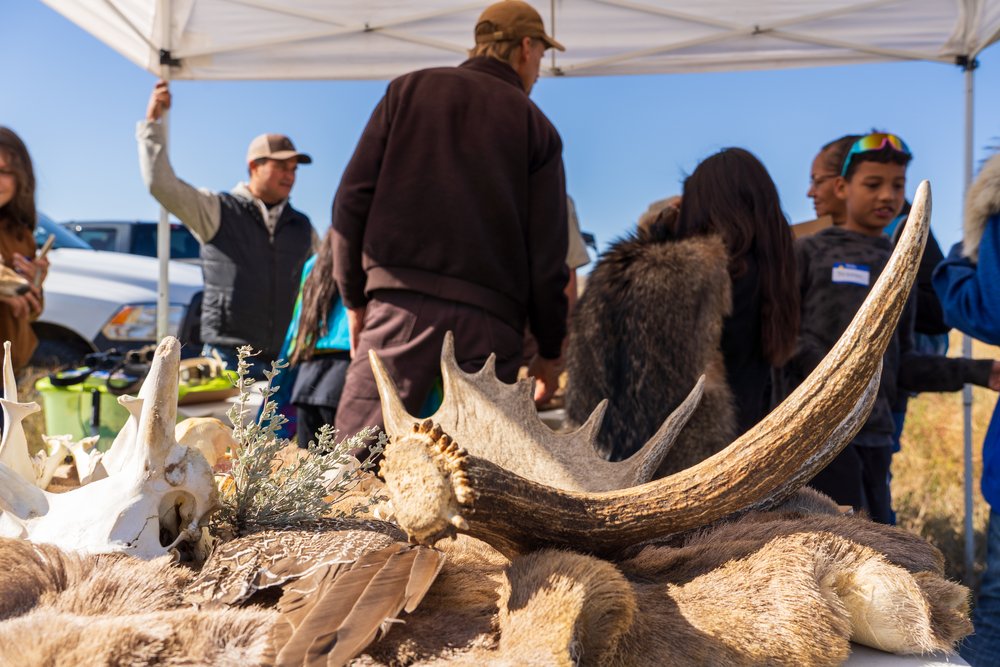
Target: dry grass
x,y
928,485
34,425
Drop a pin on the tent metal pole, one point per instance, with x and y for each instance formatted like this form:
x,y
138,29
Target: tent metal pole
x,y
163,226
970,547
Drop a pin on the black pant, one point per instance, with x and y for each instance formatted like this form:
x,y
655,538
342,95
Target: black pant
x,y
859,477
407,330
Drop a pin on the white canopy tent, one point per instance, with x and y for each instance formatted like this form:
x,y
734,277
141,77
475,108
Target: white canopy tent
x,y
379,39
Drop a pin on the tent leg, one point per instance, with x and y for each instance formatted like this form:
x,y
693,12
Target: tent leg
x,y
970,546
162,227
163,259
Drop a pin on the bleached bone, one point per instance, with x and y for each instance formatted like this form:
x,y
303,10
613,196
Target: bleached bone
x,y
516,438
12,283
162,487
14,444
83,455
49,459
437,487
208,435
118,451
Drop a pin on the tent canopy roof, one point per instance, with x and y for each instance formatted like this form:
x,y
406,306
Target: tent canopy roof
x,y
380,39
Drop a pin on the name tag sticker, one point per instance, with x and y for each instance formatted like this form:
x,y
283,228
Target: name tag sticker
x,y
851,274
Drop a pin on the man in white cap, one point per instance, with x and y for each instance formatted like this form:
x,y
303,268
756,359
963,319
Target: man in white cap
x,y
451,215
253,243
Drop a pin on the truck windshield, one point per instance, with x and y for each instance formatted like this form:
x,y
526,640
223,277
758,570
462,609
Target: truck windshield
x,y
64,237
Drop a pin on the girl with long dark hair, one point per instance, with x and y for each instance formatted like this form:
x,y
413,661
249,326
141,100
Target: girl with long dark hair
x,y
732,195
18,217
707,289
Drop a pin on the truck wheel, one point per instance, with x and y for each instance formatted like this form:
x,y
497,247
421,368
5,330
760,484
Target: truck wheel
x,y
52,353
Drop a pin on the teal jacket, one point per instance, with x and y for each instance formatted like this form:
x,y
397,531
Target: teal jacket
x,y
337,335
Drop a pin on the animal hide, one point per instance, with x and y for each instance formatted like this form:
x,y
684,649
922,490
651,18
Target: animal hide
x,y
115,610
775,588
647,326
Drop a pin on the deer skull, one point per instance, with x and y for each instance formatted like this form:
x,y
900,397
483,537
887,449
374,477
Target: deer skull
x,y
158,495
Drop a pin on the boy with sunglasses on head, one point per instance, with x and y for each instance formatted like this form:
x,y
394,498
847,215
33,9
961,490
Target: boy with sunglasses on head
x,y
837,268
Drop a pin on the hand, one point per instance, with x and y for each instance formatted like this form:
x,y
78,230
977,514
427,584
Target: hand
x,y
355,323
995,377
33,270
546,373
23,306
159,101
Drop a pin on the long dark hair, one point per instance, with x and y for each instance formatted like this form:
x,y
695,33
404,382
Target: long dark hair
x,y
731,194
21,209
317,298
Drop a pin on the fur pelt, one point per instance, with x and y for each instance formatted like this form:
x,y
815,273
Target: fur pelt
x,y
60,609
647,326
981,202
775,588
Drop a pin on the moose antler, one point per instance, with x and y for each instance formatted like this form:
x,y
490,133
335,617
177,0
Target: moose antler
x,y
518,440
438,488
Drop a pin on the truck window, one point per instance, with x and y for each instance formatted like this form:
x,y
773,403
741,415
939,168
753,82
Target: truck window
x,y
100,239
183,244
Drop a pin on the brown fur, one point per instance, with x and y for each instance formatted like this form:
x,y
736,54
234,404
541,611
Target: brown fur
x,y
114,610
647,326
770,588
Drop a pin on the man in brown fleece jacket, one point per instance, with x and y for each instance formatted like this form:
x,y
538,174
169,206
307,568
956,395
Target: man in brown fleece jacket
x,y
451,215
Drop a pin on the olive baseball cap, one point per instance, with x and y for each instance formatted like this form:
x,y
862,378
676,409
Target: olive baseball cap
x,y
511,20
274,147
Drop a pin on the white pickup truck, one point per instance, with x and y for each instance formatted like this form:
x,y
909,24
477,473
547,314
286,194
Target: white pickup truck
x,y
95,300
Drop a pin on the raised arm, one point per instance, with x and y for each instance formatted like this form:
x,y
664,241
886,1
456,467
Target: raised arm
x,y
198,209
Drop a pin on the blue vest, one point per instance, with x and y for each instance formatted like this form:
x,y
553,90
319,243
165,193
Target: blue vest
x,y
251,279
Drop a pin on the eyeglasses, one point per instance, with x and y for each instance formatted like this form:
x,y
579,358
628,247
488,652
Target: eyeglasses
x,y
875,141
816,181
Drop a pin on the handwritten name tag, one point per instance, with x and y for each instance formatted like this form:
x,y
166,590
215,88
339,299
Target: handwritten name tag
x,y
851,274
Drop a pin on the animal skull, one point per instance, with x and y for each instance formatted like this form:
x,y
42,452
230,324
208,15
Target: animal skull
x,y
157,486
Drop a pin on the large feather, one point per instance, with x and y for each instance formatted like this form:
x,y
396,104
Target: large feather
x,y
328,623
239,568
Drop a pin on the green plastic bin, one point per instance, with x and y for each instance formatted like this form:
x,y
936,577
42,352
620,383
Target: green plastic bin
x,y
70,410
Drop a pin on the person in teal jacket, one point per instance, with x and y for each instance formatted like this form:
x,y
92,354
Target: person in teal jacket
x,y
317,345
968,284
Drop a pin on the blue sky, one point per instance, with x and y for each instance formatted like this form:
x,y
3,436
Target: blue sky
x,y
628,140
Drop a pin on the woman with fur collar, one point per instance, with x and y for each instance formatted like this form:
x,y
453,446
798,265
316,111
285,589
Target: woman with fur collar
x,y
968,283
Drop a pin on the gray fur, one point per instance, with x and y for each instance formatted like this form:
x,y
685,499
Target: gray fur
x,y
981,202
648,324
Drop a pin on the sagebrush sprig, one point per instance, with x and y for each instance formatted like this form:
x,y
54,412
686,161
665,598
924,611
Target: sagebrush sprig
x,y
258,491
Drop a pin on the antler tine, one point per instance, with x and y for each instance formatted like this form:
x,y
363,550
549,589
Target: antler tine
x,y
394,414
763,466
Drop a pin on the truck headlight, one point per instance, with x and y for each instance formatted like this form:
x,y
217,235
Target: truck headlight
x,y
137,321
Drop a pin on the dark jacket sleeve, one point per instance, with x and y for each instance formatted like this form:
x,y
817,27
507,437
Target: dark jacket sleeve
x,y
352,204
970,293
547,243
932,372
930,318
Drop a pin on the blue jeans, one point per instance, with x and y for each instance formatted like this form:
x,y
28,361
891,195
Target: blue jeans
x,y
982,649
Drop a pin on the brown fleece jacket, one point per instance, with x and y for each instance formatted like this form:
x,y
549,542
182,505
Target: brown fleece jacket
x,y
456,190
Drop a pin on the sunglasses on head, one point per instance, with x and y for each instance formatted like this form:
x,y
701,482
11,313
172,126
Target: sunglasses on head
x,y
875,141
